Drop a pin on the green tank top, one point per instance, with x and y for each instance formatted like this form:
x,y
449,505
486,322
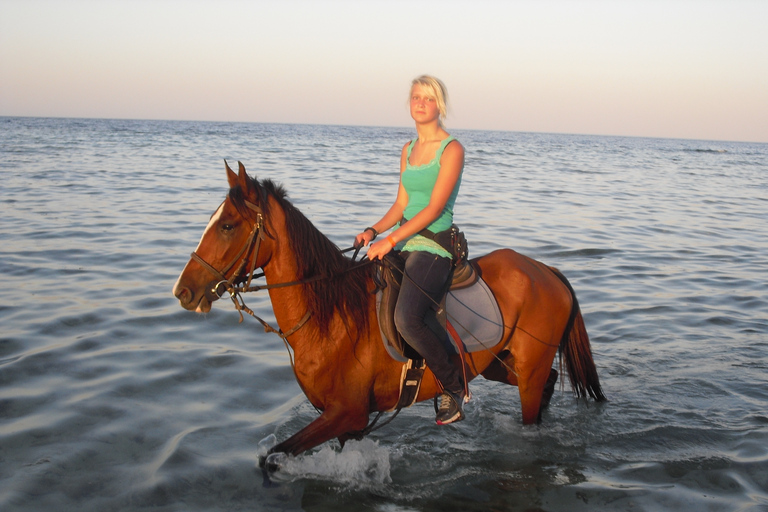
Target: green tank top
x,y
419,181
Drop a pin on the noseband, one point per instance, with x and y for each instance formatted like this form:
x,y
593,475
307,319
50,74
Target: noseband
x,y
216,289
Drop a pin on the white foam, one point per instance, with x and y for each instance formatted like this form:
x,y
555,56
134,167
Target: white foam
x,y
361,464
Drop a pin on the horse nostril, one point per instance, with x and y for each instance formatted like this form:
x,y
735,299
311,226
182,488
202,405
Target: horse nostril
x,y
184,295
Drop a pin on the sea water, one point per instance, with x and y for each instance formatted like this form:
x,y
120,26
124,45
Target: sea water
x,y
112,397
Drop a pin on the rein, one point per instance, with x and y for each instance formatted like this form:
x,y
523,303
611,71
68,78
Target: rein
x,y
240,306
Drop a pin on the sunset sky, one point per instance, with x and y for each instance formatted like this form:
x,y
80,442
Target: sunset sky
x,y
694,69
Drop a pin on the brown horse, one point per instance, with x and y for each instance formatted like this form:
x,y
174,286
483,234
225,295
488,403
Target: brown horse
x,y
329,319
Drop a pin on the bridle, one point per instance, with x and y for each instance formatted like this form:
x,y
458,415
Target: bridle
x,y
216,288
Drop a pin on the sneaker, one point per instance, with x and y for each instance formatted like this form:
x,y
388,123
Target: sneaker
x,y
450,409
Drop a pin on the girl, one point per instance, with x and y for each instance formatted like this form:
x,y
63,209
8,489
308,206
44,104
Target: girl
x,y
431,166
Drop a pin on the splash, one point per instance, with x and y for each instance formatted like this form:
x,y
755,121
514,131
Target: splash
x,y
361,464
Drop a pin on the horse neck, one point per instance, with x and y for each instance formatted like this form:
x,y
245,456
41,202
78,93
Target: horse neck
x,y
289,303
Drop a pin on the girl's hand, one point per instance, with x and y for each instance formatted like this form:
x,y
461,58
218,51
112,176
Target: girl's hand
x,y
378,250
364,238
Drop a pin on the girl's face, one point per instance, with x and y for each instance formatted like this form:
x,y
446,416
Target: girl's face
x,y
424,107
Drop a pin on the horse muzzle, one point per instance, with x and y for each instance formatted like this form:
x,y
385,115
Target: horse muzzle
x,y
196,301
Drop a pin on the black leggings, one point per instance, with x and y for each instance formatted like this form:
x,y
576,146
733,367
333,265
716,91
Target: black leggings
x,y
424,284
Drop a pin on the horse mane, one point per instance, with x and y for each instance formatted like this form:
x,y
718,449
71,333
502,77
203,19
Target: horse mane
x,y
345,288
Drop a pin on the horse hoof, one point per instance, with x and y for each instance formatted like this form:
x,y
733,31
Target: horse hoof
x,y
274,461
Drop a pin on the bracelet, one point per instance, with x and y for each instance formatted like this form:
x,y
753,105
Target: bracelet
x,y
375,233
391,241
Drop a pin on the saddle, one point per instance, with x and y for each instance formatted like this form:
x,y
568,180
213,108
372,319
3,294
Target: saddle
x,y
389,279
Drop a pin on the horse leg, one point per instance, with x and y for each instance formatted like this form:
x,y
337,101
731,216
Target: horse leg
x,y
502,370
533,378
549,389
333,422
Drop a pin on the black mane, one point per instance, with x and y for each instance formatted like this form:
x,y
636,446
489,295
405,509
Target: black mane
x,y
344,291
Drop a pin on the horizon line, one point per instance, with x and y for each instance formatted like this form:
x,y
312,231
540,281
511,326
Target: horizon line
x,y
569,134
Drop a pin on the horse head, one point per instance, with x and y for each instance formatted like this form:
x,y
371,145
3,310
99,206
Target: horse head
x,y
231,246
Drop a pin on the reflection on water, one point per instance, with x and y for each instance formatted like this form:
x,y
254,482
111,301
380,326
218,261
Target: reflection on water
x,y
113,397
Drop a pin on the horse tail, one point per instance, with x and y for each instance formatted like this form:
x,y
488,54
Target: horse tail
x,y
576,352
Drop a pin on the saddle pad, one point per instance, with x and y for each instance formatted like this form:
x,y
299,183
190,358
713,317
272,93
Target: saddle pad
x,y
474,314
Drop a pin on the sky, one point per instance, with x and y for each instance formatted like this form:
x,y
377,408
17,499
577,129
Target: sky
x,y
692,69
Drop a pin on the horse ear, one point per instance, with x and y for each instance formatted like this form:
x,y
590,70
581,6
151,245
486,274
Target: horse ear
x,y
245,183
231,176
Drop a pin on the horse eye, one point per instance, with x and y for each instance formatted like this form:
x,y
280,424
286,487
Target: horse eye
x,y
227,227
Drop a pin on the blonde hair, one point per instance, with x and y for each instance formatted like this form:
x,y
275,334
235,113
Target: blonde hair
x,y
438,91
